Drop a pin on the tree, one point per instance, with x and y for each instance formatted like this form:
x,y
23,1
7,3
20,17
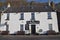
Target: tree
x,y
1,3
17,2
58,6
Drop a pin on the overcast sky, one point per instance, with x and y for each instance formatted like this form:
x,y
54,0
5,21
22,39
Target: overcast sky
x,y
56,1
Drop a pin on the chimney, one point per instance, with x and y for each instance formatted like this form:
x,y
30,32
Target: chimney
x,y
48,2
8,5
52,5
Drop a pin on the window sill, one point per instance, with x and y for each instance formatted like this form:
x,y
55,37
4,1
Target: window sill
x,y
21,19
6,19
49,18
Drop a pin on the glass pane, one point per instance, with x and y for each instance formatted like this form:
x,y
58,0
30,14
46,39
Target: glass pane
x,y
22,16
49,15
50,26
21,27
27,27
7,16
33,16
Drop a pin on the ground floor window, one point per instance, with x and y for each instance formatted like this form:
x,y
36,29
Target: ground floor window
x,y
50,26
7,26
21,27
27,27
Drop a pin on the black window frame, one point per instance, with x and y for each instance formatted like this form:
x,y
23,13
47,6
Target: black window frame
x,y
7,16
49,15
21,16
26,26
33,16
50,27
21,27
7,26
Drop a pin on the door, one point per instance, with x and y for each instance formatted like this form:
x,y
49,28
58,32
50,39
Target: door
x,y
33,29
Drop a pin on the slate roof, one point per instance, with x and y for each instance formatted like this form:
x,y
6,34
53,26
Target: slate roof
x,y
28,9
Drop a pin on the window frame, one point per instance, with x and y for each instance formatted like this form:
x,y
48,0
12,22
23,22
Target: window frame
x,y
26,26
32,16
7,17
49,15
21,16
50,27
21,27
7,26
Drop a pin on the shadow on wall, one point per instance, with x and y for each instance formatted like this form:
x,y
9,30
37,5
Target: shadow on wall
x,y
58,16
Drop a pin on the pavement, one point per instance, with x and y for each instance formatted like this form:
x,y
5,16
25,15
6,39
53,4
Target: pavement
x,y
29,37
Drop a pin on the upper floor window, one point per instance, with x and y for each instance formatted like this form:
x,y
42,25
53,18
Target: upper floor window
x,y
22,16
7,16
21,27
49,15
32,16
50,26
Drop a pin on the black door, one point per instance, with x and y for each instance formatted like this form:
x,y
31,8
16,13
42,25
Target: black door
x,y
33,31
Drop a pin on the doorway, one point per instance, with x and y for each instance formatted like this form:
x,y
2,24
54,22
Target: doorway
x,y
33,29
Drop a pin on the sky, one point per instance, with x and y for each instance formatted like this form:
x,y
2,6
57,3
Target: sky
x,y
56,1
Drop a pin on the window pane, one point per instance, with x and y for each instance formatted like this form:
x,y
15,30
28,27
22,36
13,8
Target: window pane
x,y
22,16
21,27
7,26
33,16
7,16
50,26
49,15
27,27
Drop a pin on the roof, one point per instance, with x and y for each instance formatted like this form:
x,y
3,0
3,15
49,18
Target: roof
x,y
29,9
23,6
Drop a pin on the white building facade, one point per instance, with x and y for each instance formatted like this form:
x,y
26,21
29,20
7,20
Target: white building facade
x,y
30,22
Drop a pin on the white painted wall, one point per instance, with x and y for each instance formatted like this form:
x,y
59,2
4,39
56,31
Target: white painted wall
x,y
14,22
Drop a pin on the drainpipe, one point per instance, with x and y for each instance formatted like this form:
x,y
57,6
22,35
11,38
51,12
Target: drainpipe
x,y
49,2
0,18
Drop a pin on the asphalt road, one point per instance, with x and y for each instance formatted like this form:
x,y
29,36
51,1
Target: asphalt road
x,y
29,37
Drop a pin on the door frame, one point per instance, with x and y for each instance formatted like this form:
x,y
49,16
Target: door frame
x,y
33,31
